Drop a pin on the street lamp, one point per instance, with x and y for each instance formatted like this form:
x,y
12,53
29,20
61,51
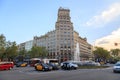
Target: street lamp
x,y
116,44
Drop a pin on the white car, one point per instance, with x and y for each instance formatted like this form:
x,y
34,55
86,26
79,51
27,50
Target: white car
x,y
118,62
116,68
69,65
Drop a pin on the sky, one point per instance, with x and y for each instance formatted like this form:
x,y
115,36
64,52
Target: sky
x,y
97,20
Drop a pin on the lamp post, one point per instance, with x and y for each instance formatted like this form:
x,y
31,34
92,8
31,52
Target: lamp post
x,y
116,44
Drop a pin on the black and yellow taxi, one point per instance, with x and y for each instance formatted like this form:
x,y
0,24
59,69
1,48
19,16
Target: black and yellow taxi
x,y
42,67
21,64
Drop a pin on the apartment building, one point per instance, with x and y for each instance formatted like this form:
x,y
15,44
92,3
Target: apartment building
x,y
26,45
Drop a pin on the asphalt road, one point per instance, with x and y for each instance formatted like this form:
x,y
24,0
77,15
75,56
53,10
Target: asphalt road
x,y
29,73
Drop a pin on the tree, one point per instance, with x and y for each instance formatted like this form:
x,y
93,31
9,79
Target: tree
x,y
21,55
101,54
2,45
2,40
37,51
11,50
8,50
44,52
22,52
115,55
115,52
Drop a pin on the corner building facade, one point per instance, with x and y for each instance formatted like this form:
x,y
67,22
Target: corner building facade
x,y
61,42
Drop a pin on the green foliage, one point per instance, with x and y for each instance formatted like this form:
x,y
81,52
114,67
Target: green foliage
x,y
2,40
22,52
8,49
115,52
11,50
101,53
2,45
37,51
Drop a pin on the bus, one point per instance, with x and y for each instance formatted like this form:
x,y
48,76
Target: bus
x,y
33,61
53,61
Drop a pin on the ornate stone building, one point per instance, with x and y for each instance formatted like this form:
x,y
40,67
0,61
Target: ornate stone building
x,y
63,42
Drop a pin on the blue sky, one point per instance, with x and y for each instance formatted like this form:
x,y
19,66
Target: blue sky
x,y
96,20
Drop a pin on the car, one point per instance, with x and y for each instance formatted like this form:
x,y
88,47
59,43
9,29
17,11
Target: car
x,y
68,66
91,63
42,67
6,65
54,66
118,62
116,68
21,64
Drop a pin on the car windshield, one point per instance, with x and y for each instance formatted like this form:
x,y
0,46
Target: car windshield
x,y
51,64
118,62
117,65
44,64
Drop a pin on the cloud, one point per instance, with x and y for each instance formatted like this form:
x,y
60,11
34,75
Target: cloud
x,y
106,16
109,40
103,42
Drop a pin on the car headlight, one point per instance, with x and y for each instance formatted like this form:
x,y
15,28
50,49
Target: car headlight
x,y
46,67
